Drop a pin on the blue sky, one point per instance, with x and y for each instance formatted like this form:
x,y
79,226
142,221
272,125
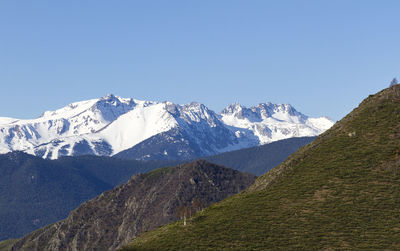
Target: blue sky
x,y
323,57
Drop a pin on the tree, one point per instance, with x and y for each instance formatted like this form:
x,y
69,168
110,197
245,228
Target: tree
x,y
186,211
183,212
394,82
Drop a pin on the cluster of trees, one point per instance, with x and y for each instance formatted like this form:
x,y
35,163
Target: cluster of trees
x,y
186,211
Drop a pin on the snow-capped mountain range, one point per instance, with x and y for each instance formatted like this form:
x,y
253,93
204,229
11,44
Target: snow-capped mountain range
x,y
131,128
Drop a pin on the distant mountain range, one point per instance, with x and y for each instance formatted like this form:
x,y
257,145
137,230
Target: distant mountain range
x,y
129,128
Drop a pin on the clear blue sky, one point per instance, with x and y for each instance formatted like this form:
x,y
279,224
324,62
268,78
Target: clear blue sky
x,y
323,57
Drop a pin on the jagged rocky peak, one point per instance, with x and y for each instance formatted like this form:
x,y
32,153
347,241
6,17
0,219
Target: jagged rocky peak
x,y
192,112
236,110
260,111
268,109
171,107
196,107
112,101
112,106
232,109
241,112
198,112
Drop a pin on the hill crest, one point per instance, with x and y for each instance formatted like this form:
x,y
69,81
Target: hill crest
x,y
339,192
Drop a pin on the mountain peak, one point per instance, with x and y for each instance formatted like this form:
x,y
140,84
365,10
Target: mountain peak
x,y
274,108
111,106
109,95
111,124
232,108
195,104
113,99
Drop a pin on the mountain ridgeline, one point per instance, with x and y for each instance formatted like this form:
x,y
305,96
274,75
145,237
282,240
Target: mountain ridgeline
x,y
146,130
341,192
145,202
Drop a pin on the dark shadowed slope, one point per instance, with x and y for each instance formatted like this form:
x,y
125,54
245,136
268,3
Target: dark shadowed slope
x,y
144,203
341,192
256,160
35,192
260,159
111,170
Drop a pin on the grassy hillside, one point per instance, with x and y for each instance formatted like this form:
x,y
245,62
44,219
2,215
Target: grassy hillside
x,y
339,192
6,245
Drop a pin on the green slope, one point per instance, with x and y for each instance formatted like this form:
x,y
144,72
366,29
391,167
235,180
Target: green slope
x,y
6,245
339,192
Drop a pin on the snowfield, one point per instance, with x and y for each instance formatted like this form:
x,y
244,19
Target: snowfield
x,y
111,124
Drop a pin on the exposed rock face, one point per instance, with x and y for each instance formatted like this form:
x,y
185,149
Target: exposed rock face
x,y
145,202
